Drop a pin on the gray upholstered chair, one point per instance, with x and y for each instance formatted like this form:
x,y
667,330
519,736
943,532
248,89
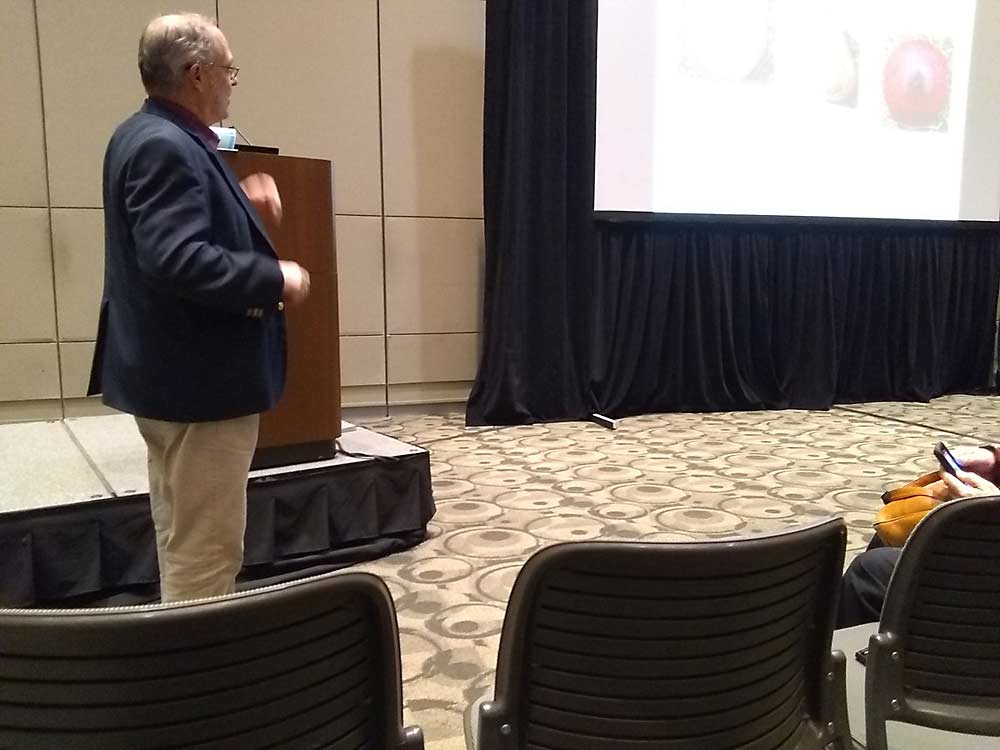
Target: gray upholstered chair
x,y
935,660
309,664
720,644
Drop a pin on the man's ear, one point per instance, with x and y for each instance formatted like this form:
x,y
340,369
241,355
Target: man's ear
x,y
196,74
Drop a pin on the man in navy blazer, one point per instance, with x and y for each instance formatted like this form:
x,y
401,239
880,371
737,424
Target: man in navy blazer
x,y
191,339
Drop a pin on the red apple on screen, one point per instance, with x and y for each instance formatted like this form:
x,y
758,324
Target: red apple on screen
x,y
916,84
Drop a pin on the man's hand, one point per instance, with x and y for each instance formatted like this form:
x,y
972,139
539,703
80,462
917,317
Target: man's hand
x,y
296,287
263,194
967,484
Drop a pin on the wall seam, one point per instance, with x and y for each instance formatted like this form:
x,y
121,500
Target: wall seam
x,y
381,173
48,206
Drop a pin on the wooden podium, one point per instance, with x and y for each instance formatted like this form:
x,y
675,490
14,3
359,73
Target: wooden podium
x,y
306,422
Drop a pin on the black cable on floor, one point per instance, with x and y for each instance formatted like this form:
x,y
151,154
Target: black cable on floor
x,y
933,428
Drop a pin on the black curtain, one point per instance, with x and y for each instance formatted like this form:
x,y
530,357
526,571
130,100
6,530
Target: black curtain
x,y
629,317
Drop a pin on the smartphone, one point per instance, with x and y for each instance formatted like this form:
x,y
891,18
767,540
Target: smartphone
x,y
947,461
862,655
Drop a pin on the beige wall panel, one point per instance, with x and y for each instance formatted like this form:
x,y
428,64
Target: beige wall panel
x,y
78,252
28,372
22,179
75,359
26,281
434,270
90,84
433,358
429,393
361,395
359,275
309,85
87,407
362,360
30,411
432,106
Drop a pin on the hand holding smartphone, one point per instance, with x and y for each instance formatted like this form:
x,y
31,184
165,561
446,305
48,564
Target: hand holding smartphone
x,y
948,462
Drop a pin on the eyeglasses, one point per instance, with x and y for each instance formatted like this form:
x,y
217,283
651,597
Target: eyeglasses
x,y
234,70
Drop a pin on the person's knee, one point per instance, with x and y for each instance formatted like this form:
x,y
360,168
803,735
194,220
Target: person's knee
x,y
875,565
863,587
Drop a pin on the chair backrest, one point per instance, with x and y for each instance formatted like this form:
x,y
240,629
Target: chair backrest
x,y
308,664
721,644
936,658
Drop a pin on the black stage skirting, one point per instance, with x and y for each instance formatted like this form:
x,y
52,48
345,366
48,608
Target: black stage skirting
x,y
298,523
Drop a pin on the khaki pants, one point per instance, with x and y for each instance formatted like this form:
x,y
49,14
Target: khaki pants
x,y
198,499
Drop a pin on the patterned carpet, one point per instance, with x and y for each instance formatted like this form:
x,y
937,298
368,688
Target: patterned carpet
x,y
503,493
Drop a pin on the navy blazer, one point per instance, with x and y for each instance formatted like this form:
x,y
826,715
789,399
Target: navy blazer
x,y
190,327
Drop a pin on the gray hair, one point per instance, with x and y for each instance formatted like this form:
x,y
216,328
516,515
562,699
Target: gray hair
x,y
171,44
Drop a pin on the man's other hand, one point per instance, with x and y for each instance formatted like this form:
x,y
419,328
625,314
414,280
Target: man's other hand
x,y
296,282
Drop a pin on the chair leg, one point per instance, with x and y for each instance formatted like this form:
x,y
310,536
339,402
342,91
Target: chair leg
x,y
875,735
494,731
412,739
835,702
877,687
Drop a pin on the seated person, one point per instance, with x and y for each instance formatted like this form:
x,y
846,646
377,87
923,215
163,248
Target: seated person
x,y
862,589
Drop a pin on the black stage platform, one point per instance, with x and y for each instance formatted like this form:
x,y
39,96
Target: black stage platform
x,y
99,548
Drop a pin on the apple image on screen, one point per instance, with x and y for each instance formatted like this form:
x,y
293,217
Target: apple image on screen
x,y
916,83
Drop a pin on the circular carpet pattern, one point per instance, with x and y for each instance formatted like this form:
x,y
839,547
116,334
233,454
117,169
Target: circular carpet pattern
x,y
504,493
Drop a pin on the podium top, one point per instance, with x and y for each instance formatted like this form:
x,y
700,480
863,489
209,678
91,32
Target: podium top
x,y
257,149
